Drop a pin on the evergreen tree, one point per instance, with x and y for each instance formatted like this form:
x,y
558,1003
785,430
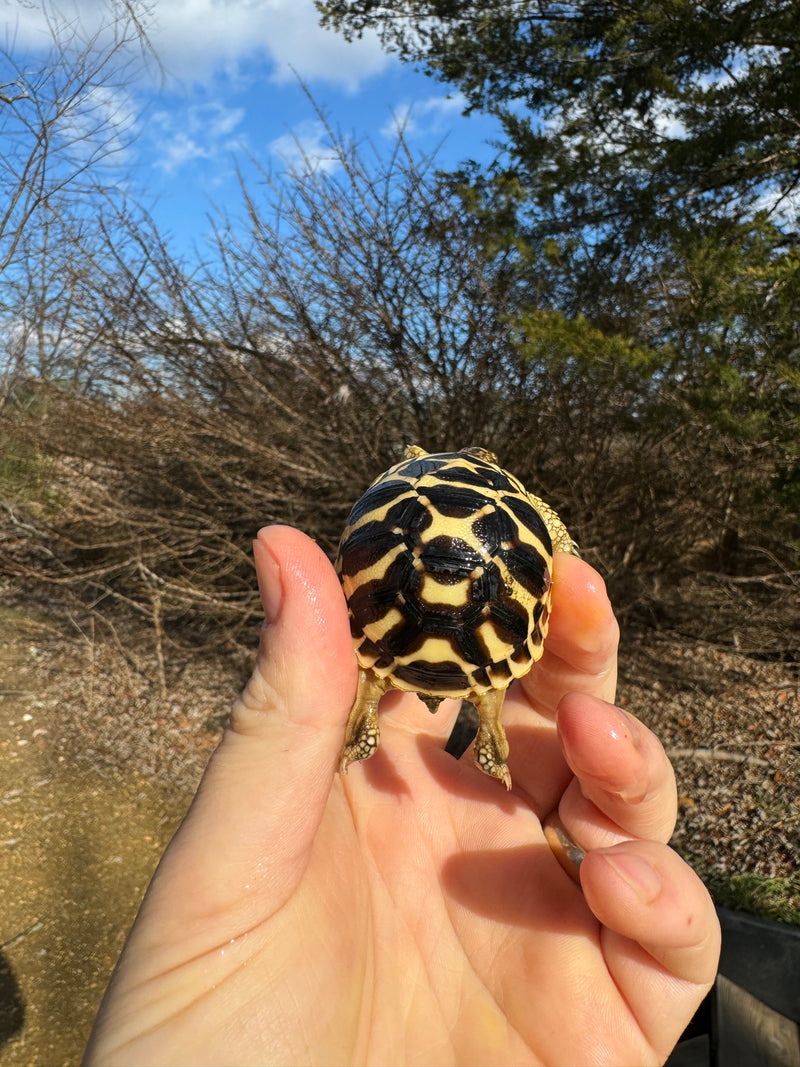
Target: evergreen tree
x,y
649,183
619,114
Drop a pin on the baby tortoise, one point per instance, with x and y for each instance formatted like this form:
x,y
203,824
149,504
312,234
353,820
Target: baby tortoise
x,y
446,566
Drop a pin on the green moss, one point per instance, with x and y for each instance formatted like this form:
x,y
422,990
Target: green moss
x,y
770,898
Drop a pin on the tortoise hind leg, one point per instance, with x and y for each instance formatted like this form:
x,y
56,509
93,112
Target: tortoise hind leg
x,y
362,735
491,746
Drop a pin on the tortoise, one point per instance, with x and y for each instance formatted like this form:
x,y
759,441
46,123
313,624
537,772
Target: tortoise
x,y
445,563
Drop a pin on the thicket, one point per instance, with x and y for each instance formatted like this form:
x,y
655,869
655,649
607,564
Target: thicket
x,y
155,412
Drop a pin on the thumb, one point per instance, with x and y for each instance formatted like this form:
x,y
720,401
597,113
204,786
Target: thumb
x,y
265,789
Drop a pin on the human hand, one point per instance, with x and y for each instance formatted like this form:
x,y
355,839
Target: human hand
x,y
412,911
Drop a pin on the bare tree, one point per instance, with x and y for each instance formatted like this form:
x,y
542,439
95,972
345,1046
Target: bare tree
x,y
66,123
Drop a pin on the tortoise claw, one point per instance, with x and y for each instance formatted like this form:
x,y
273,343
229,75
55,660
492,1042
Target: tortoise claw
x,y
495,770
363,749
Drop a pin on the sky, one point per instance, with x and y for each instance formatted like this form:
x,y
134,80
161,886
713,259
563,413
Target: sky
x,y
241,78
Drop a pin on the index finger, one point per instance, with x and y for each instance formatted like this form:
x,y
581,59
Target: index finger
x,y
580,652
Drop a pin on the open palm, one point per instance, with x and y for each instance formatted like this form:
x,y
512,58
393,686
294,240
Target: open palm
x,y
413,911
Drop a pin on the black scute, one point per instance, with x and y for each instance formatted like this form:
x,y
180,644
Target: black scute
x,y
489,586
401,575
449,559
432,677
528,568
400,639
473,649
510,621
370,602
377,496
530,518
408,515
441,623
455,501
494,476
416,521
462,475
494,528
365,546
371,651
416,468
482,475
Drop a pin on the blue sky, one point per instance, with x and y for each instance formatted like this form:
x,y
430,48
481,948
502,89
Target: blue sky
x,y
231,88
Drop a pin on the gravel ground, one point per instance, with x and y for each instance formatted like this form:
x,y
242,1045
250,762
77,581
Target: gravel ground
x,y
729,725
727,721
97,753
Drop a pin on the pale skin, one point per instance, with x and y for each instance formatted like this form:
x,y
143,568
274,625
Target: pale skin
x,y
411,912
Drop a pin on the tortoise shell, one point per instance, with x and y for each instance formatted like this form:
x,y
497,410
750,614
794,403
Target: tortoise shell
x,y
445,563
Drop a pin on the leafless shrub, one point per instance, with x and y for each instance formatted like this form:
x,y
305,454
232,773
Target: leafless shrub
x,y
351,313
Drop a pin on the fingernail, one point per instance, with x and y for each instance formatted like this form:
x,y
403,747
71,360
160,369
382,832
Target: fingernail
x,y
627,727
606,763
268,572
636,872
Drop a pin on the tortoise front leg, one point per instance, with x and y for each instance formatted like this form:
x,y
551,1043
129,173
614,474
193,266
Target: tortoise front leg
x,y
362,736
491,746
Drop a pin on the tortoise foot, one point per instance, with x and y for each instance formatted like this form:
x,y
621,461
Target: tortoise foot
x,y
362,748
491,746
362,735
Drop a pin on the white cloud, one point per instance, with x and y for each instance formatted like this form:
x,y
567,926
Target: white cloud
x,y
198,39
100,122
425,116
179,150
200,131
31,25
306,148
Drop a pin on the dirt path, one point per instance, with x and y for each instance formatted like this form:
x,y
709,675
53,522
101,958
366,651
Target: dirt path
x,y
77,848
